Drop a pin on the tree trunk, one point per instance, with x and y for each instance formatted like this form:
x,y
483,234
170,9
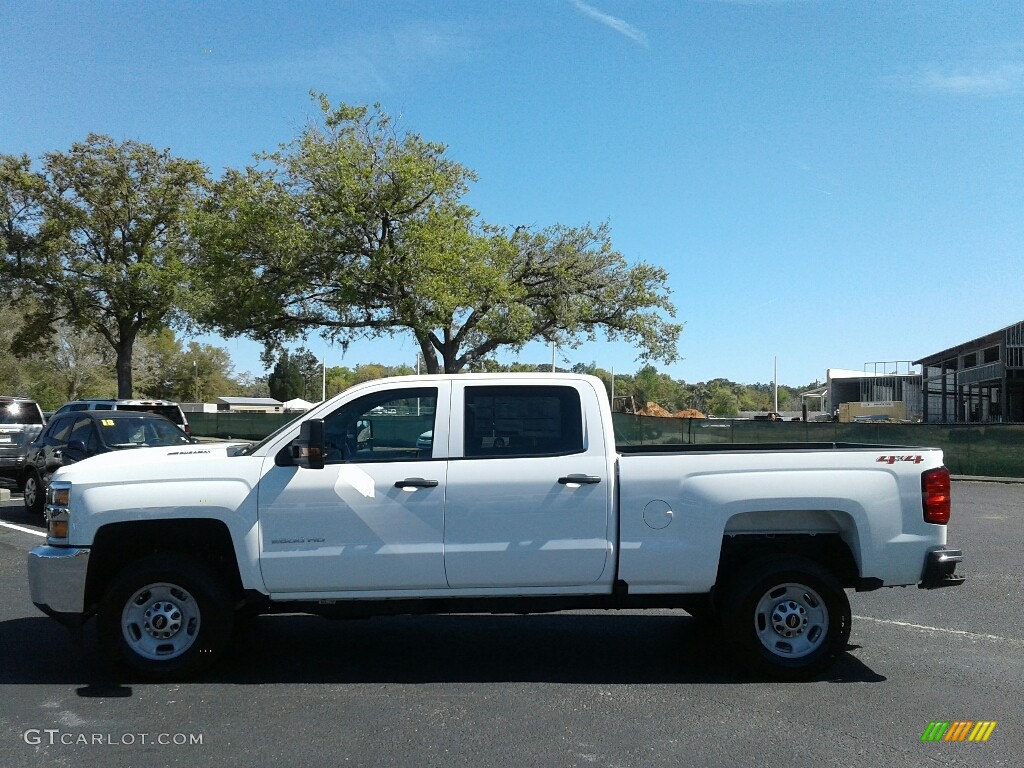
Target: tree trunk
x,y
430,362
124,348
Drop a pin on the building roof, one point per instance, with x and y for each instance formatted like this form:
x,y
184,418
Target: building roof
x,y
265,401
982,341
833,374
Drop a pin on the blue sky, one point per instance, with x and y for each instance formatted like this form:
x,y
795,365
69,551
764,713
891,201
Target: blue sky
x,y
828,183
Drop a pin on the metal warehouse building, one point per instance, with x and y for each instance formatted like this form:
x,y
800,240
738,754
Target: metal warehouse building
x,y
979,381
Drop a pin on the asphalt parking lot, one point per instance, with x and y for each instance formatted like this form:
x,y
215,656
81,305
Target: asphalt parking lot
x,y
569,689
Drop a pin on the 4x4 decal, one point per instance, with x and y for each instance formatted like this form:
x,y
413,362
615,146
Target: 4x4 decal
x,y
893,459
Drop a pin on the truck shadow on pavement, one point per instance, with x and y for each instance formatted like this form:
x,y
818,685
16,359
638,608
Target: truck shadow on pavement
x,y
583,648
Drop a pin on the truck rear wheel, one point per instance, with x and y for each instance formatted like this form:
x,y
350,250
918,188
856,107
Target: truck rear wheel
x,y
788,617
165,616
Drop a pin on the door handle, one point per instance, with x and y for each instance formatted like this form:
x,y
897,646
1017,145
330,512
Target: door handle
x,y
415,482
579,480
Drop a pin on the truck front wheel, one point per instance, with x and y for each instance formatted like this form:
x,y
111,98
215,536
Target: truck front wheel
x,y
35,493
788,617
166,616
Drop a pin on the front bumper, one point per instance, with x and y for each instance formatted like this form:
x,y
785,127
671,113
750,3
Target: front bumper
x,y
939,566
56,581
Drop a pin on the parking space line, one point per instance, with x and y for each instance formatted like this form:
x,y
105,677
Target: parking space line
x,y
23,529
926,628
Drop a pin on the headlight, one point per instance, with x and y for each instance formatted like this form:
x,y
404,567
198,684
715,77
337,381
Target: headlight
x,y
58,511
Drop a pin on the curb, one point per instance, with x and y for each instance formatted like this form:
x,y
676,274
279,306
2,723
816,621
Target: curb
x,y
982,479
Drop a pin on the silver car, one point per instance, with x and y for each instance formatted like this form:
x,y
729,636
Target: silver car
x,y
21,421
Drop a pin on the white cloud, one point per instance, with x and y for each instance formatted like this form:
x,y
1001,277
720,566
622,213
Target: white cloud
x,y
372,63
992,80
612,22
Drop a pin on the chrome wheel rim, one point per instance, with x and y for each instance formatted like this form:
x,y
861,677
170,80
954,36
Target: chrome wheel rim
x,y
160,621
31,491
791,620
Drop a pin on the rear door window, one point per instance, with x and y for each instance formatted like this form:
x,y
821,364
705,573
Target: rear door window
x,y
523,421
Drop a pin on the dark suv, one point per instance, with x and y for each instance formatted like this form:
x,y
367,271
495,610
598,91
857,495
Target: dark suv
x,y
21,421
72,437
165,408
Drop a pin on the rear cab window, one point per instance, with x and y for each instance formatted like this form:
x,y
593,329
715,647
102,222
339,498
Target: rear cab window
x,y
522,420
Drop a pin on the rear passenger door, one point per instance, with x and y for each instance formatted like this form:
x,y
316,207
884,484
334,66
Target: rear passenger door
x,y
528,497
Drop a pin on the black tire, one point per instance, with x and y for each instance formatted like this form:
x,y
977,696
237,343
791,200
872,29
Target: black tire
x,y
166,616
35,493
788,617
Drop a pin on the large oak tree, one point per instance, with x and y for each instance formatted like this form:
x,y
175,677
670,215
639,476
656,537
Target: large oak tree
x,y
359,230
100,238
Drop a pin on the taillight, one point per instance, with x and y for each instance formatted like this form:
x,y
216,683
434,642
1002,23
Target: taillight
x,y
935,495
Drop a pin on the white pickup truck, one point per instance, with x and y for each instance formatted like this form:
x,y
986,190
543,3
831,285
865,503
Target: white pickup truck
x,y
485,493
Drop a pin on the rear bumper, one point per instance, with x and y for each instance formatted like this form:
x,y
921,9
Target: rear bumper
x,y
939,568
12,465
56,582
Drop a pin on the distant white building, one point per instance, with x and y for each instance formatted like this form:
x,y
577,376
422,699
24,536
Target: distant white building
x,y
250,405
891,389
297,405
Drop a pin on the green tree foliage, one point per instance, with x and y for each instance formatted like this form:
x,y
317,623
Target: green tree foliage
x,y
358,230
285,381
99,235
312,374
723,398
483,291
164,369
76,365
21,192
340,378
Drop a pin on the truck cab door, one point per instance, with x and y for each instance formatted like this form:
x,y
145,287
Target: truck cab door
x,y
373,517
529,493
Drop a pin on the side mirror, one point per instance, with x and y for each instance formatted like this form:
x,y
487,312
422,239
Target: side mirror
x,y
77,445
308,449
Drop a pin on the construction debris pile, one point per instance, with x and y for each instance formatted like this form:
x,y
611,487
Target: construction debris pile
x,y
653,409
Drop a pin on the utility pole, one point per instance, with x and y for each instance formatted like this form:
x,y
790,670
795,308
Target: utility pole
x,y
775,386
